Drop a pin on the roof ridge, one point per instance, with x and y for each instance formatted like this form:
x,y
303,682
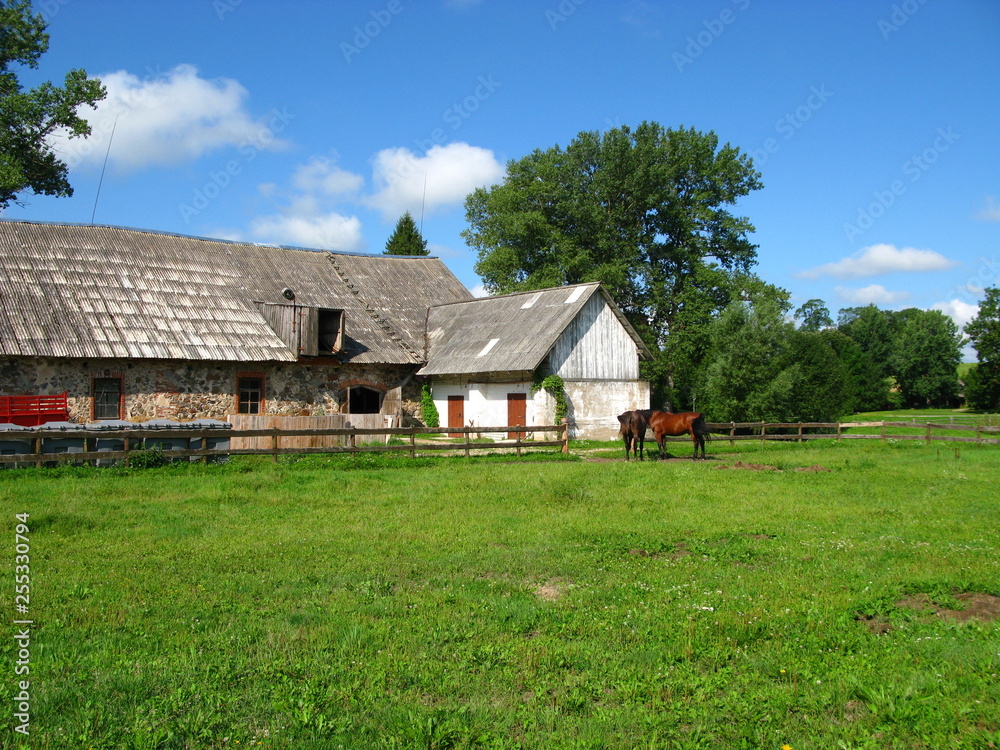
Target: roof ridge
x,y
381,322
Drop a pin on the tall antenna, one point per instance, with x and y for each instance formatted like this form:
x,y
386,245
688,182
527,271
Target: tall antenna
x,y
423,200
101,182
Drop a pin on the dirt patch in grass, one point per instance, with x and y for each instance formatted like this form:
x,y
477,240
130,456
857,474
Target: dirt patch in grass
x,y
764,467
679,550
748,467
552,590
977,606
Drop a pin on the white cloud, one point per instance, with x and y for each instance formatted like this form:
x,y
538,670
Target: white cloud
x,y
959,311
479,291
170,118
991,212
329,231
880,259
875,294
321,175
440,178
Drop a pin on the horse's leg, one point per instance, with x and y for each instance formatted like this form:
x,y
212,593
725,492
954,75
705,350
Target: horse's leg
x,y
694,440
626,438
641,439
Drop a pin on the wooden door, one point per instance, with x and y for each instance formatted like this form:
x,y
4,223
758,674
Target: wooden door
x,y
517,412
456,414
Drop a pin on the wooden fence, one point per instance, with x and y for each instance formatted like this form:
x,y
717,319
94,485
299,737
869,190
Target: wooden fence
x,y
835,430
49,447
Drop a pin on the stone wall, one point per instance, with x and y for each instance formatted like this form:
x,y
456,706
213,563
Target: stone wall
x,y
182,390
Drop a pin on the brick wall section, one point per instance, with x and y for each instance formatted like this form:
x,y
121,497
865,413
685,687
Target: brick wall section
x,y
199,390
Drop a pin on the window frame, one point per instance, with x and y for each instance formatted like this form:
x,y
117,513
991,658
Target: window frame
x,y
97,415
261,400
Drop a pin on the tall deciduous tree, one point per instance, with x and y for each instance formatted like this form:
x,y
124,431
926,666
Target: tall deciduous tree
x,y
644,211
815,316
925,358
982,384
406,238
28,118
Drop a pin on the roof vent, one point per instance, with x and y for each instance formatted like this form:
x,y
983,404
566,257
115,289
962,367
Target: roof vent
x,y
288,293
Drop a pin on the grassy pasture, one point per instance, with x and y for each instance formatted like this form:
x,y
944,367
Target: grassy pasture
x,y
383,602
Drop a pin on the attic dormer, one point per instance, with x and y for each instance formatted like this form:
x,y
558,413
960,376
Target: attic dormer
x,y
307,331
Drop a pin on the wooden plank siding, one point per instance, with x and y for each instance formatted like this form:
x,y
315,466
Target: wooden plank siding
x,y
327,422
595,346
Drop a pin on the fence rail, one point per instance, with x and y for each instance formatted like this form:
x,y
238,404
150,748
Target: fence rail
x,y
276,441
347,437
835,430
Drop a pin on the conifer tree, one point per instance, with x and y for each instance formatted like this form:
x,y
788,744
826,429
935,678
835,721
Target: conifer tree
x,y
406,239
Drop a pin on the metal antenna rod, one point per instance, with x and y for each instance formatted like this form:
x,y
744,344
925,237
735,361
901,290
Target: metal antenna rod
x,y
101,182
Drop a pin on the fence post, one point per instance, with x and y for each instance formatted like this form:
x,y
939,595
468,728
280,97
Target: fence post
x,y
38,450
839,430
565,435
732,434
800,431
883,430
274,444
468,437
928,433
763,433
413,442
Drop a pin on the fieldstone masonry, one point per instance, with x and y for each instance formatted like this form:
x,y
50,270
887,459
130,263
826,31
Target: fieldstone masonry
x,y
183,390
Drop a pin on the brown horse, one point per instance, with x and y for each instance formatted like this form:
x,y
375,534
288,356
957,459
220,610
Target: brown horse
x,y
633,432
664,423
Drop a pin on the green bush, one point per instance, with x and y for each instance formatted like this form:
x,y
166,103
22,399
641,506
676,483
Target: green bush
x,y
427,407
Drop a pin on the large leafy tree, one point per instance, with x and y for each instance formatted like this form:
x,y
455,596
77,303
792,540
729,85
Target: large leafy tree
x,y
925,358
28,118
750,374
406,238
815,316
872,329
644,211
982,385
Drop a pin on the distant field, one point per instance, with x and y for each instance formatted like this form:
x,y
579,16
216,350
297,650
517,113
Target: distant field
x,y
815,595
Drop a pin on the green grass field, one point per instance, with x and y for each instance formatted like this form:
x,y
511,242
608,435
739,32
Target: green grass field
x,y
383,602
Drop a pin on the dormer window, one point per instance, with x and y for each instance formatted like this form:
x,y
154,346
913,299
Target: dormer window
x,y
308,331
331,332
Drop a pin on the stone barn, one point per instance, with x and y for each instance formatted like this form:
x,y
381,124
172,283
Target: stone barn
x,y
138,325
484,356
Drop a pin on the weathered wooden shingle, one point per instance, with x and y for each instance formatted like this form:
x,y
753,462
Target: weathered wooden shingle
x,y
508,333
111,292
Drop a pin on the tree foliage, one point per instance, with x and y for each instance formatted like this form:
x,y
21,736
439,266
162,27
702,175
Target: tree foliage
x,y
925,358
815,316
982,383
644,211
406,238
29,118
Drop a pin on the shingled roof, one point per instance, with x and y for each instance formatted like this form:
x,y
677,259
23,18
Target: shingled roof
x,y
111,292
508,333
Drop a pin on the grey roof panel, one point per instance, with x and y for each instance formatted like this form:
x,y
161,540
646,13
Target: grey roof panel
x,y
112,292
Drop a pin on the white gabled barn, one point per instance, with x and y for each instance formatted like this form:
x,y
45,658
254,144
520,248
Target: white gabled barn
x,y
483,354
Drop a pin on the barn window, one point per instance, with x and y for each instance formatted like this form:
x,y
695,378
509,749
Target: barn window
x,y
330,331
363,400
250,394
107,398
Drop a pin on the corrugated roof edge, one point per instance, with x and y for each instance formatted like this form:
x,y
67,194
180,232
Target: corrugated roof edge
x,y
210,239
518,294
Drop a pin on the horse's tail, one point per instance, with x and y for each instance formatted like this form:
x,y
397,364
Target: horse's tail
x,y
700,428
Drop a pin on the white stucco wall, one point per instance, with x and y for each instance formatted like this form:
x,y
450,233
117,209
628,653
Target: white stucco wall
x,y
594,405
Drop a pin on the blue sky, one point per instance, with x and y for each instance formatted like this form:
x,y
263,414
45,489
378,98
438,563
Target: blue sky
x,y
315,124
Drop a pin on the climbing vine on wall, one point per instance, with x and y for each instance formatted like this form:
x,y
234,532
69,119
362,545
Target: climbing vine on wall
x,y
427,407
554,386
